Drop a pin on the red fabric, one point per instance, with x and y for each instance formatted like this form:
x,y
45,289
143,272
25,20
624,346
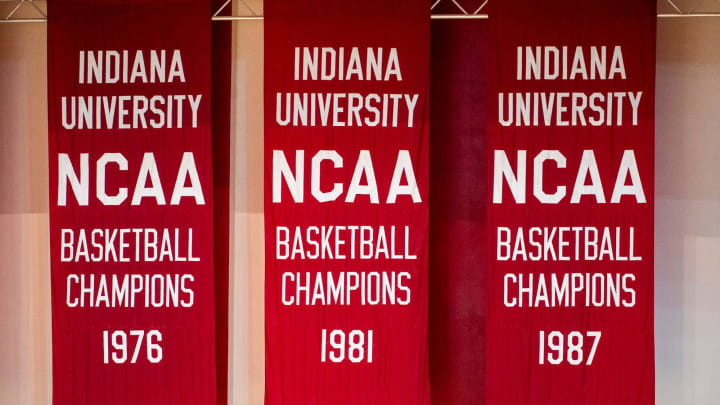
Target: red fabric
x,y
221,80
458,212
622,371
186,372
398,373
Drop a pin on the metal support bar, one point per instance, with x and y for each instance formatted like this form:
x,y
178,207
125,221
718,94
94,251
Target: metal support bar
x,y
250,14
432,17
463,16
689,15
458,16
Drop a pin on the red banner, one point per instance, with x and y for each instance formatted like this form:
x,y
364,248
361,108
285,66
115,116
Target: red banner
x,y
131,202
571,135
346,202
221,77
458,211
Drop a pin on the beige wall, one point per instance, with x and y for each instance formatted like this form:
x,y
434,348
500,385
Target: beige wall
x,y
687,217
25,354
247,257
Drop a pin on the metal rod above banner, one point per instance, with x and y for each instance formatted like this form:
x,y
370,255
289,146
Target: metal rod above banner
x,y
250,14
432,17
465,16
